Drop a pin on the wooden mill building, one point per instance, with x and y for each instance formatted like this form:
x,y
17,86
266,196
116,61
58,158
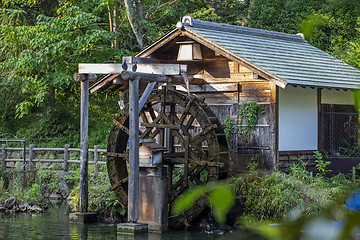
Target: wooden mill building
x,y
300,87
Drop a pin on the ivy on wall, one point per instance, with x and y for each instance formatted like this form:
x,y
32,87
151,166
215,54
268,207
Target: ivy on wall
x,y
248,119
248,114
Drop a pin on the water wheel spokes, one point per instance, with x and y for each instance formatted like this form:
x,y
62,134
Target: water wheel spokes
x,y
196,147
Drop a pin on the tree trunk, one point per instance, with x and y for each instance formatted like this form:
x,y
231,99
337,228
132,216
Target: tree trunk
x,y
134,20
139,4
51,101
114,23
110,19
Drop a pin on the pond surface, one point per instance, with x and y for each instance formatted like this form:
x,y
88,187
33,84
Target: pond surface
x,y
54,224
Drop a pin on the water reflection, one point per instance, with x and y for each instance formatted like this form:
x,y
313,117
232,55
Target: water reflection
x,y
54,224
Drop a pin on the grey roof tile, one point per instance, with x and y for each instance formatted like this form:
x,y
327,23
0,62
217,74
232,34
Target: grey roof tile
x,y
287,56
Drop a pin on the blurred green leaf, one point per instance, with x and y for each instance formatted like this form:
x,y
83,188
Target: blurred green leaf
x,y
221,199
357,99
185,201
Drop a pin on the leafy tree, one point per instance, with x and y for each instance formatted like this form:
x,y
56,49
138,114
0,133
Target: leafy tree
x,y
53,48
229,12
279,15
327,24
332,27
353,54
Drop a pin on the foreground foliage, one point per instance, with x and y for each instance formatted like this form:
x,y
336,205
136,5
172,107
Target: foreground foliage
x,y
273,197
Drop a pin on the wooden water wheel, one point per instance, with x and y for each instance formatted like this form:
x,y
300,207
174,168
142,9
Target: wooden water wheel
x,y
197,150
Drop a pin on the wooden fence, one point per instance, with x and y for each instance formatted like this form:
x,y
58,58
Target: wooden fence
x,y
30,158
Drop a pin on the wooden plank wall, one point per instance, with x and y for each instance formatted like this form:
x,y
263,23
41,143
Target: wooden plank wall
x,y
227,86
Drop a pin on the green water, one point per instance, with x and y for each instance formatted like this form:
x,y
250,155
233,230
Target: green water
x,y
54,224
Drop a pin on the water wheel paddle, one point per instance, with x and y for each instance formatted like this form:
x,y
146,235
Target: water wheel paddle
x,y
197,150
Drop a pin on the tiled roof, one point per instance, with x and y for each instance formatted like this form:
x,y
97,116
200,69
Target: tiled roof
x,y
287,56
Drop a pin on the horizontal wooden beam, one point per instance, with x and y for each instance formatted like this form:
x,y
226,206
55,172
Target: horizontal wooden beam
x,y
84,77
176,80
226,87
147,77
112,80
128,75
131,59
115,68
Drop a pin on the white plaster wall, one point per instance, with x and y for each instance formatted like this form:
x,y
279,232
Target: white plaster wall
x,y
334,96
298,119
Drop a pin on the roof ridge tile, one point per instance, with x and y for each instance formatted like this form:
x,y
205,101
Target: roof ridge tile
x,y
244,30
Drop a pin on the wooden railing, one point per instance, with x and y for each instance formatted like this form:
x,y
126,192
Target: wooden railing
x,y
30,158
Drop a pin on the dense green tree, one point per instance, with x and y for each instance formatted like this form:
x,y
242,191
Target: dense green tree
x,y
38,59
50,51
353,54
327,24
222,11
333,27
280,15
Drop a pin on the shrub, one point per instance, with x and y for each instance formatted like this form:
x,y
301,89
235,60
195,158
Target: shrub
x,y
273,196
101,199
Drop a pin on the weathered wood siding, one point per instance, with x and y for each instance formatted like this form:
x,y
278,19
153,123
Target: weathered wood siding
x,y
227,85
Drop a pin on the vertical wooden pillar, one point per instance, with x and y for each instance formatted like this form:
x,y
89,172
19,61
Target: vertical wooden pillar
x,y
31,157
24,166
277,156
96,157
170,167
133,183
24,150
66,157
84,145
186,160
3,157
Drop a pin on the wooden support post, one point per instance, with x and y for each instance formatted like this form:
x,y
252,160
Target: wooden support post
x,y
3,156
24,156
170,167
24,167
66,157
163,112
186,160
133,183
31,157
96,158
84,146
